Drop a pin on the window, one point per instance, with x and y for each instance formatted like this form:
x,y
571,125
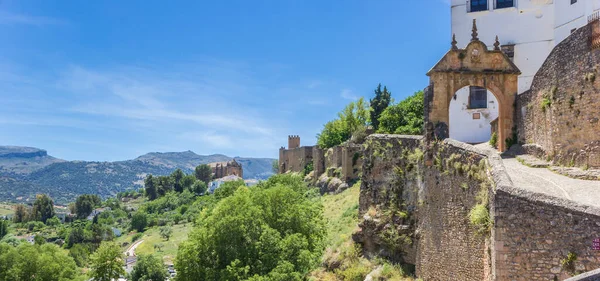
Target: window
x,y
573,2
477,97
478,5
504,4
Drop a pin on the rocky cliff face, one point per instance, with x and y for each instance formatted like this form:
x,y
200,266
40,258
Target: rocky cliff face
x,y
21,152
388,197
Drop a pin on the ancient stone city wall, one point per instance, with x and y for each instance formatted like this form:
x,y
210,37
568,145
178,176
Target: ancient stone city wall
x,y
561,111
416,201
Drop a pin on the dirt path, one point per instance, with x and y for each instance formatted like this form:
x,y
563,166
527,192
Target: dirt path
x,y
131,250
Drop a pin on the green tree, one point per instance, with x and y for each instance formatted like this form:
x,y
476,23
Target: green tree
x,y
35,262
270,230
85,204
107,262
405,117
53,221
80,253
379,103
177,177
275,166
353,118
150,187
188,181
43,208
3,228
148,268
199,187
166,232
165,184
203,173
39,239
21,213
139,221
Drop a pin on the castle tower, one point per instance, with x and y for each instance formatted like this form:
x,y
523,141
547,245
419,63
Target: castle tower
x,y
293,141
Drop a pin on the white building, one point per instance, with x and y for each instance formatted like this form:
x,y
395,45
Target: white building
x,y
534,27
528,30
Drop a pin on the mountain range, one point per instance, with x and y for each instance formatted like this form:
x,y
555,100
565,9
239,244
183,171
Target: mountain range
x,y
27,171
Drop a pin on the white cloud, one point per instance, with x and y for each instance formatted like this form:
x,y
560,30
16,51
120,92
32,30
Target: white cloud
x,y
14,18
348,94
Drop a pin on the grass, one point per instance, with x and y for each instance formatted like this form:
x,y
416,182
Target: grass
x,y
6,209
341,213
152,237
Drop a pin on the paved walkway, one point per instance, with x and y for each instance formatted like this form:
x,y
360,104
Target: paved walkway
x,y
542,180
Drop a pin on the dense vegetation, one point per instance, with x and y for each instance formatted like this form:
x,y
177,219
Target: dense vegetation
x,y
405,117
273,231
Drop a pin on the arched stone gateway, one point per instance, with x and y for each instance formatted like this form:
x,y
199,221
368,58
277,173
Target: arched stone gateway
x,y
477,66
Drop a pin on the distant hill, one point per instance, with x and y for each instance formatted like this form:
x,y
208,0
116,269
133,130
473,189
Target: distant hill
x,y
21,160
25,171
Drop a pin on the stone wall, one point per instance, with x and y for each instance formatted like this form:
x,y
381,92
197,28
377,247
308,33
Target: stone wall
x,y
535,233
333,157
351,162
389,189
561,111
294,160
449,246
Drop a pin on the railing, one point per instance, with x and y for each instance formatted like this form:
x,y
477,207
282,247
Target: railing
x,y
594,21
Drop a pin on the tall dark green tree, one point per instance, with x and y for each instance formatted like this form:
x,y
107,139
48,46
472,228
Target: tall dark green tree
x,y
165,184
3,228
85,204
188,181
139,221
177,177
43,208
379,103
150,187
204,173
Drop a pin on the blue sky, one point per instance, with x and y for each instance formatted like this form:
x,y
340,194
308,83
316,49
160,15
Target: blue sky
x,y
111,80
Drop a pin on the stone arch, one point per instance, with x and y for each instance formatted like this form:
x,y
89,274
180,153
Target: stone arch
x,y
474,65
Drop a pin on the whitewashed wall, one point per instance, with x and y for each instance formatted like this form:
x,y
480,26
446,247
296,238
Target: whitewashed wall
x,y
572,16
462,125
529,26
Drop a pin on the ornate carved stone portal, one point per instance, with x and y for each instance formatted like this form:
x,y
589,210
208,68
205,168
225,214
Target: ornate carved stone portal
x,y
474,65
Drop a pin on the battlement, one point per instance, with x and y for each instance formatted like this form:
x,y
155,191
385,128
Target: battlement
x,y
293,141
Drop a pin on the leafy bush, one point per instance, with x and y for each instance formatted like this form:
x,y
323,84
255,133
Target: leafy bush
x,y
405,117
136,237
494,139
148,267
267,232
352,119
45,262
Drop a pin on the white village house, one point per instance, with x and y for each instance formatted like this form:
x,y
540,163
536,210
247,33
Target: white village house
x,y
527,31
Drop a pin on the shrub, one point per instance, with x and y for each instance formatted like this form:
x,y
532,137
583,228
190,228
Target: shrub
x,y
494,140
136,237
